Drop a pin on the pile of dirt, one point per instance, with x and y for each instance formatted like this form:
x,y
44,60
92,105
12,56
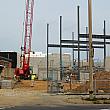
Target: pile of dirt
x,y
38,85
73,86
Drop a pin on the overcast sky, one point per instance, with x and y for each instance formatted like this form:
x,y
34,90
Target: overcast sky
x,y
48,11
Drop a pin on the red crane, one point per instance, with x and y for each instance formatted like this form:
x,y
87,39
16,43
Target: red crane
x,y
25,56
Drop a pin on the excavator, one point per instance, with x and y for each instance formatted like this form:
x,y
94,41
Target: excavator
x,y
24,71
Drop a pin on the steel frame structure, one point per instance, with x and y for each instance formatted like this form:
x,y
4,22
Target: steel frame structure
x,y
77,45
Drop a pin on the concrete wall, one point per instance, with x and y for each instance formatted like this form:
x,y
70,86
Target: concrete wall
x,y
18,60
84,76
107,64
39,63
54,60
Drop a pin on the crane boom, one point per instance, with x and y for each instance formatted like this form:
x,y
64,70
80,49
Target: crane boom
x,y
28,33
24,70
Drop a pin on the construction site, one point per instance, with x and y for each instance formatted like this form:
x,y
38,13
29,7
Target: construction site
x,y
65,77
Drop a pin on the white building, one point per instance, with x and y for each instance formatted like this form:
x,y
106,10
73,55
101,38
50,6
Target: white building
x,y
38,61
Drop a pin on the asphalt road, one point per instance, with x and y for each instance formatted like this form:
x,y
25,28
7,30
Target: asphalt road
x,y
74,107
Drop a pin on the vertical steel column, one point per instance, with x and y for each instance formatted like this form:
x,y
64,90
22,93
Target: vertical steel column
x,y
73,49
78,44
47,49
87,44
90,49
104,43
61,73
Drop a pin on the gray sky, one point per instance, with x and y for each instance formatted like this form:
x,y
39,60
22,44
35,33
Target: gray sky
x,y
48,11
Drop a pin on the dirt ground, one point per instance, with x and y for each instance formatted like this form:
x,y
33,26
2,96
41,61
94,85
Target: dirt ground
x,y
25,95
28,97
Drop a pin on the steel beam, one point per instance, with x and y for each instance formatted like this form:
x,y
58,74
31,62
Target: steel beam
x,y
73,51
104,43
72,46
5,59
95,36
87,45
61,73
78,17
47,49
84,42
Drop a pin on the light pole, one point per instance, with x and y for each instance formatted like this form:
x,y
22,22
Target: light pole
x,y
90,49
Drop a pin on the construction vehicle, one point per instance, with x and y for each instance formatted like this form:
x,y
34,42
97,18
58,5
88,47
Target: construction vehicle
x,y
24,70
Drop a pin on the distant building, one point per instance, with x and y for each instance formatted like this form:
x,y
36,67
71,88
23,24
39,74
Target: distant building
x,y
38,61
10,56
8,62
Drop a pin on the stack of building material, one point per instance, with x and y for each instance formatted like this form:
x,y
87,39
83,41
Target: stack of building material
x,y
101,82
7,84
102,75
55,87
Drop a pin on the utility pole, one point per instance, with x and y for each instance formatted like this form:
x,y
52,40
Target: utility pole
x,y
90,49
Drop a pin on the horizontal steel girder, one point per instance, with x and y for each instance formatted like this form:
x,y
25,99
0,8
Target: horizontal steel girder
x,y
94,36
72,46
83,42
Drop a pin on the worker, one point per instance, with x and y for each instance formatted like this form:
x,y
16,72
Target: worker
x,y
32,79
